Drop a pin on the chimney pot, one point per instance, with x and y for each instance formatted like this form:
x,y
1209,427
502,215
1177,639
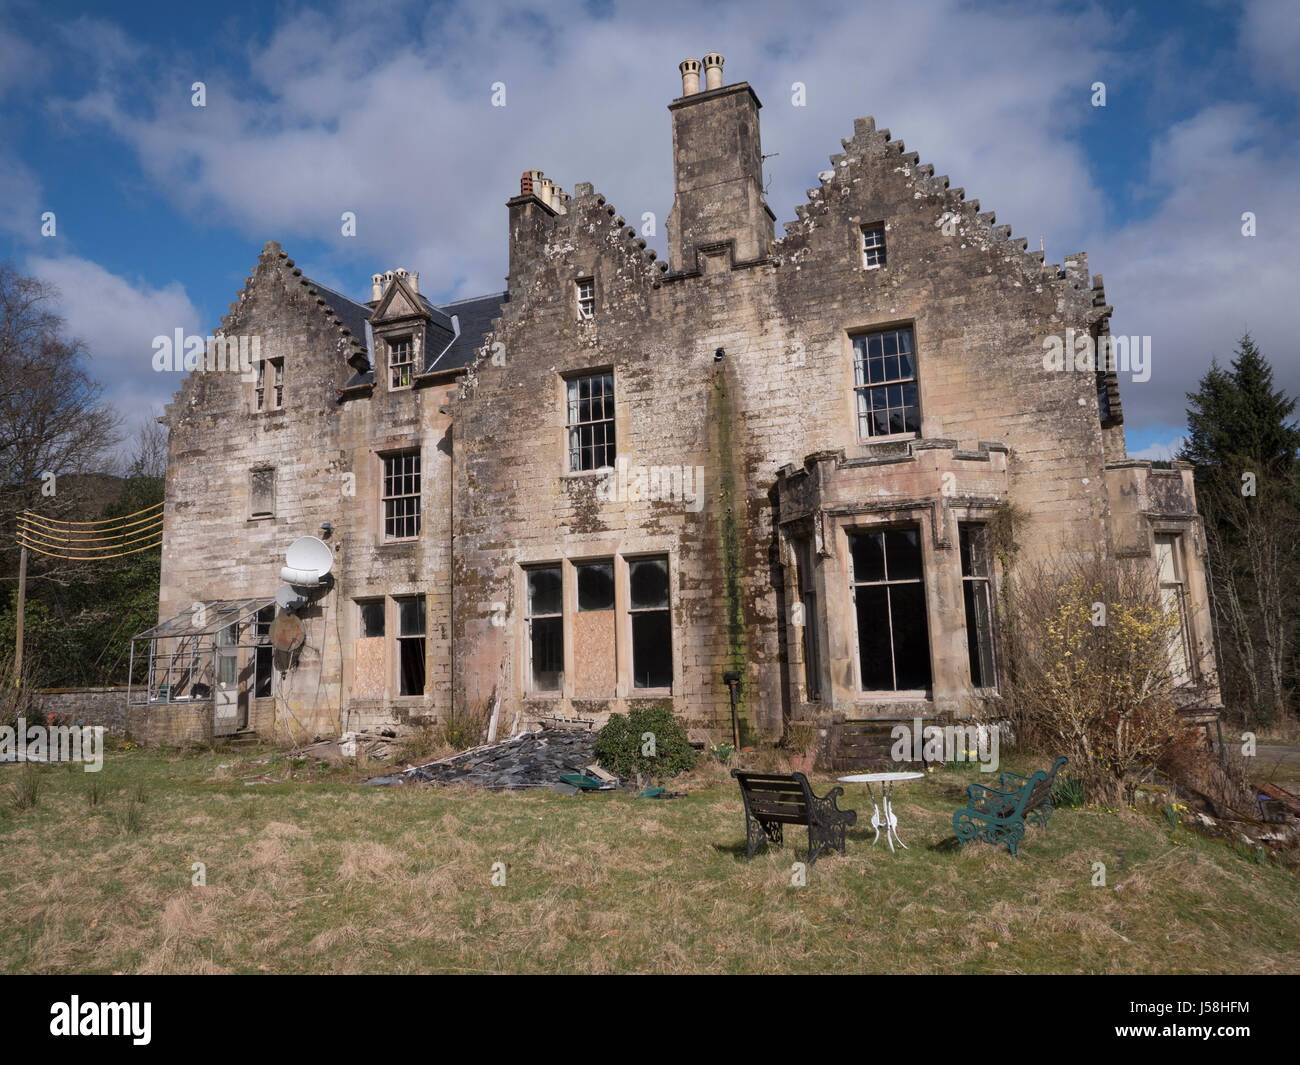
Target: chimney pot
x,y
376,286
713,71
690,69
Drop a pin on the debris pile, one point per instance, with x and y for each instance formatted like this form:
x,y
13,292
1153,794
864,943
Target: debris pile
x,y
529,760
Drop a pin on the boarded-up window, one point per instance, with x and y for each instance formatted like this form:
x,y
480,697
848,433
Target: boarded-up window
x,y
369,663
545,628
410,645
261,492
595,663
652,637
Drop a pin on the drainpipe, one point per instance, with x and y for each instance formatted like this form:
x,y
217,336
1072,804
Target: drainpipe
x,y
732,677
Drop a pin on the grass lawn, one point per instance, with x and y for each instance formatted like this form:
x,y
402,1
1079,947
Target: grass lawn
x,y
312,873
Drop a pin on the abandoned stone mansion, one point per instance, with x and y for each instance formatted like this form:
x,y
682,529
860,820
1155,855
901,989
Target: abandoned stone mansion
x,y
783,460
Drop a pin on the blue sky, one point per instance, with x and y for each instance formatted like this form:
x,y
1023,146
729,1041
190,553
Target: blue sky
x,y
385,109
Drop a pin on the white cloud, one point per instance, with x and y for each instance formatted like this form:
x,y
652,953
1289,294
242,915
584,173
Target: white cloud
x,y
118,319
391,118
1159,451
344,114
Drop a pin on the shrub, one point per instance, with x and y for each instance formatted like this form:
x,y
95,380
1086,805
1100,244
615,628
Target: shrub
x,y
1090,678
1068,793
464,727
621,749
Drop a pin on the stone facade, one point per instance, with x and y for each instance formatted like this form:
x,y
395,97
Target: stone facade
x,y
744,466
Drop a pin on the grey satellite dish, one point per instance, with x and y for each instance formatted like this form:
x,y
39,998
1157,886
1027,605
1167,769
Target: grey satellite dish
x,y
289,598
309,560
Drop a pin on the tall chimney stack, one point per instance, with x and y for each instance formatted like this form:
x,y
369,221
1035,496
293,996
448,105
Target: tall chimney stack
x,y
717,169
713,71
690,69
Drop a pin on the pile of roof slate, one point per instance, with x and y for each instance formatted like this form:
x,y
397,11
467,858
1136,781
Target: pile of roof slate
x,y
529,760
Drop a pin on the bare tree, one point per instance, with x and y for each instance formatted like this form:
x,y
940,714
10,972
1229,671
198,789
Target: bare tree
x,y
150,456
52,420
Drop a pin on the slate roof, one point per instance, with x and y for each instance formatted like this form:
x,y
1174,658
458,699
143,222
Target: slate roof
x,y
352,314
473,315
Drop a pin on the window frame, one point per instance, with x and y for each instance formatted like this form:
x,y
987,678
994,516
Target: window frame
x,y
400,638
637,690
586,303
1188,675
985,583
572,406
864,387
276,388
854,584
531,686
865,249
406,341
385,498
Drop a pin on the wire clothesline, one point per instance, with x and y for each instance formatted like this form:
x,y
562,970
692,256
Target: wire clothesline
x,y
65,540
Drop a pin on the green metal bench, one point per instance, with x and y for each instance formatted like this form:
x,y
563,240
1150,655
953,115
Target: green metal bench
x,y
773,800
997,814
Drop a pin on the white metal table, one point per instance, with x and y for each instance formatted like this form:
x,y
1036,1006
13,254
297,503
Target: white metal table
x,y
886,781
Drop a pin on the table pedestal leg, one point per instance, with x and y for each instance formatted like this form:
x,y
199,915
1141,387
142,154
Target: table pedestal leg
x,y
891,820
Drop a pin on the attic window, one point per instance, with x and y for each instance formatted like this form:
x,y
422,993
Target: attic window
x,y
401,360
873,246
269,395
586,298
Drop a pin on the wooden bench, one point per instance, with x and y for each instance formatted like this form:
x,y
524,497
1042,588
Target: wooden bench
x,y
997,814
773,800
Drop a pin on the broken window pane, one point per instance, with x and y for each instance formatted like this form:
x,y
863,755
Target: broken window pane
x,y
546,627
652,645
410,645
372,617
591,422
649,583
263,653
595,585
886,359
978,596
889,597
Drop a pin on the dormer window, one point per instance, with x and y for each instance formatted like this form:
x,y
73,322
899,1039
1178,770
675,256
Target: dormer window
x,y
873,246
401,362
586,298
269,392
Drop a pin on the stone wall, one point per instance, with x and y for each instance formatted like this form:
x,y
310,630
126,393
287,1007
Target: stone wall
x,y
85,706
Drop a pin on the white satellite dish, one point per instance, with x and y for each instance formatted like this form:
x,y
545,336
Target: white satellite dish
x,y
289,598
309,560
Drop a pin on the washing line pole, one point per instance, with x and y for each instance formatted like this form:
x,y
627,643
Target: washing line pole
x,y
22,606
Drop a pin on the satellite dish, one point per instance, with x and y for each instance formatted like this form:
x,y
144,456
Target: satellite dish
x,y
309,560
289,598
286,633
